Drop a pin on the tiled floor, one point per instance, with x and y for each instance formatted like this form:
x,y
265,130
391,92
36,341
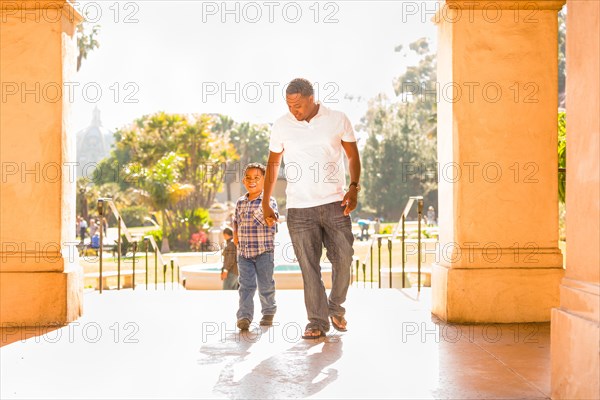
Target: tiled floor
x,y
184,344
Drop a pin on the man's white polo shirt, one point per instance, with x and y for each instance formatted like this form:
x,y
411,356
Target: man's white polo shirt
x,y
313,156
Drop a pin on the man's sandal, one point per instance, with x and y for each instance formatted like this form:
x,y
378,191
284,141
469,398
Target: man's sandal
x,y
313,333
341,326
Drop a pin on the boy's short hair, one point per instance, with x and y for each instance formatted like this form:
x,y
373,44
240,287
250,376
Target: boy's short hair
x,y
228,231
259,166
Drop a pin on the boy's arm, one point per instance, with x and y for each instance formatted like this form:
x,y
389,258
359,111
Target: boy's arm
x,y
235,225
270,180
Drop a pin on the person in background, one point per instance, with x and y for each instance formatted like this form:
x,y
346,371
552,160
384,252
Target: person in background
x,y
430,216
82,228
363,224
229,271
95,241
93,227
377,226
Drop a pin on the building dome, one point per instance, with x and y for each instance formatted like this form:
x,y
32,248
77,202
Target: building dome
x,y
93,144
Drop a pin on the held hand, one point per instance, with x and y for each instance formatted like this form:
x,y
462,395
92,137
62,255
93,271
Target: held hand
x,y
235,238
350,200
223,275
270,217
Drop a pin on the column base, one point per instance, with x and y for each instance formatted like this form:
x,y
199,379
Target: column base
x,y
575,342
40,298
494,295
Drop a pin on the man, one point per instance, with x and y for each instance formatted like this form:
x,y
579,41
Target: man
x,y
82,229
363,224
310,138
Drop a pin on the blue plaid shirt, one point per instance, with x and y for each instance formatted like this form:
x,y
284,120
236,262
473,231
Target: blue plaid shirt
x,y
254,235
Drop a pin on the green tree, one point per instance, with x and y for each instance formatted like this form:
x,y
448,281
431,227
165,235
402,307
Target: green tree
x,y
163,189
222,127
562,155
401,143
222,124
142,144
175,163
562,59
251,142
86,194
86,41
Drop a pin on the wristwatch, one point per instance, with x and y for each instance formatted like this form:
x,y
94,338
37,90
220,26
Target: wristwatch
x,y
356,184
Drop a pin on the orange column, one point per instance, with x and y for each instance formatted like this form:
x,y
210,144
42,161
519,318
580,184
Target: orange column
x,y
499,259
575,336
40,277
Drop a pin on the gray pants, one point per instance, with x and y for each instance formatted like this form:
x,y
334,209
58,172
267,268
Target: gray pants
x,y
311,229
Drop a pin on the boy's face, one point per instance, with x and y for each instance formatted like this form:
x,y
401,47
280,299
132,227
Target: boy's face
x,y
254,182
226,236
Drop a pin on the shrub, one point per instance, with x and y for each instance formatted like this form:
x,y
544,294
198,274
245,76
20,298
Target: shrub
x,y
387,230
134,216
157,234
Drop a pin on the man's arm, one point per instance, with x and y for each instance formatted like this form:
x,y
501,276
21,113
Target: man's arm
x,y
351,197
270,180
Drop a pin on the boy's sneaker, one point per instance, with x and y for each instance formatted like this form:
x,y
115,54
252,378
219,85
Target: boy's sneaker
x,y
267,320
243,324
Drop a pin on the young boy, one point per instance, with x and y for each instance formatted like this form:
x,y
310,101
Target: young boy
x,y
229,271
254,239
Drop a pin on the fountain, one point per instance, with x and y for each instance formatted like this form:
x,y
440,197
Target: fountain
x,y
287,272
218,214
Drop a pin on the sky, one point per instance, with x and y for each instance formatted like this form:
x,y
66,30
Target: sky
x,y
235,58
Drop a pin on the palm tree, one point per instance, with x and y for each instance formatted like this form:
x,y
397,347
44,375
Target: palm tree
x,y
86,193
163,189
223,127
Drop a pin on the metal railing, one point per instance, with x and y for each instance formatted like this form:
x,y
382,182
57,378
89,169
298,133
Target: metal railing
x,y
106,205
400,230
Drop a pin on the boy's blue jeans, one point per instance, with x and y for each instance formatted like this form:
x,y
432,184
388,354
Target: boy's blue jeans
x,y
253,271
310,230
